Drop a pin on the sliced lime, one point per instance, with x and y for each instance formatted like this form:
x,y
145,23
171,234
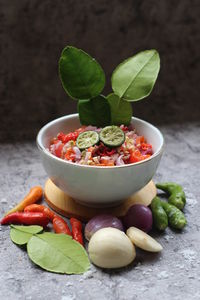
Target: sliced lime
x,y
112,136
87,139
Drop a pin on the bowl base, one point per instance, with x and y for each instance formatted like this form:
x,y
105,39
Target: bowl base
x,y
68,207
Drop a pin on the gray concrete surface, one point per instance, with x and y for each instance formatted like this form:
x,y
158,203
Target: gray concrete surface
x,y
174,274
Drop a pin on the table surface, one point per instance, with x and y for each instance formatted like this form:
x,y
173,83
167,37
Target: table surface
x,y
173,274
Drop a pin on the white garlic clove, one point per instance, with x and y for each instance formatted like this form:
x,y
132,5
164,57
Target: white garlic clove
x,y
142,240
111,248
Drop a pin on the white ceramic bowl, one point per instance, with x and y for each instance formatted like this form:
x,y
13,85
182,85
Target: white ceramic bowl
x,y
93,185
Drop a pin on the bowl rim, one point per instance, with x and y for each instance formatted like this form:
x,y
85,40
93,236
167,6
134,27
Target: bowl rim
x,y
48,153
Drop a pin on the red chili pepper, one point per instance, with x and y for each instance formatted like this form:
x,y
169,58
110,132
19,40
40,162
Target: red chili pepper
x,y
59,150
102,150
135,156
124,128
40,208
27,218
72,136
60,226
146,148
109,153
140,140
77,230
70,154
61,137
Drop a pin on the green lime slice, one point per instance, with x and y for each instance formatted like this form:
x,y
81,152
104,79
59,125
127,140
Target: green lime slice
x,y
112,136
87,139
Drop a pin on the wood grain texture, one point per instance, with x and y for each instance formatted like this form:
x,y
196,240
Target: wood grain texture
x,y
67,207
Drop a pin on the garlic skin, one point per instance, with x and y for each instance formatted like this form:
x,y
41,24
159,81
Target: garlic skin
x,y
142,240
111,248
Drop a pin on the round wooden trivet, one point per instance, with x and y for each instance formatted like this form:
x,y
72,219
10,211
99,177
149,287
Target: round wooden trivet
x,y
66,206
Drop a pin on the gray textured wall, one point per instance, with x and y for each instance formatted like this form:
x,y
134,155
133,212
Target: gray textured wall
x,y
33,33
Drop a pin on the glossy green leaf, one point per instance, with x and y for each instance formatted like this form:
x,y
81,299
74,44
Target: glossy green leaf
x,y
121,110
58,253
81,75
20,235
95,111
135,77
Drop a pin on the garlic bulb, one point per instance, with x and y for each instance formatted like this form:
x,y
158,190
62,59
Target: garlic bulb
x,y
111,248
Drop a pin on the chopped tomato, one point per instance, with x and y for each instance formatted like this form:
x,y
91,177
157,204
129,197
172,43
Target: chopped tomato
x,y
145,146
106,162
140,140
58,150
69,155
72,136
61,136
135,156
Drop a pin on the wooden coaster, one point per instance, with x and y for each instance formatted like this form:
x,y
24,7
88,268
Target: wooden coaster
x,y
66,206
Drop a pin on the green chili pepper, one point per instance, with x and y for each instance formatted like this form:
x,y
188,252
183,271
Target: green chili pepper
x,y
159,215
176,193
176,218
